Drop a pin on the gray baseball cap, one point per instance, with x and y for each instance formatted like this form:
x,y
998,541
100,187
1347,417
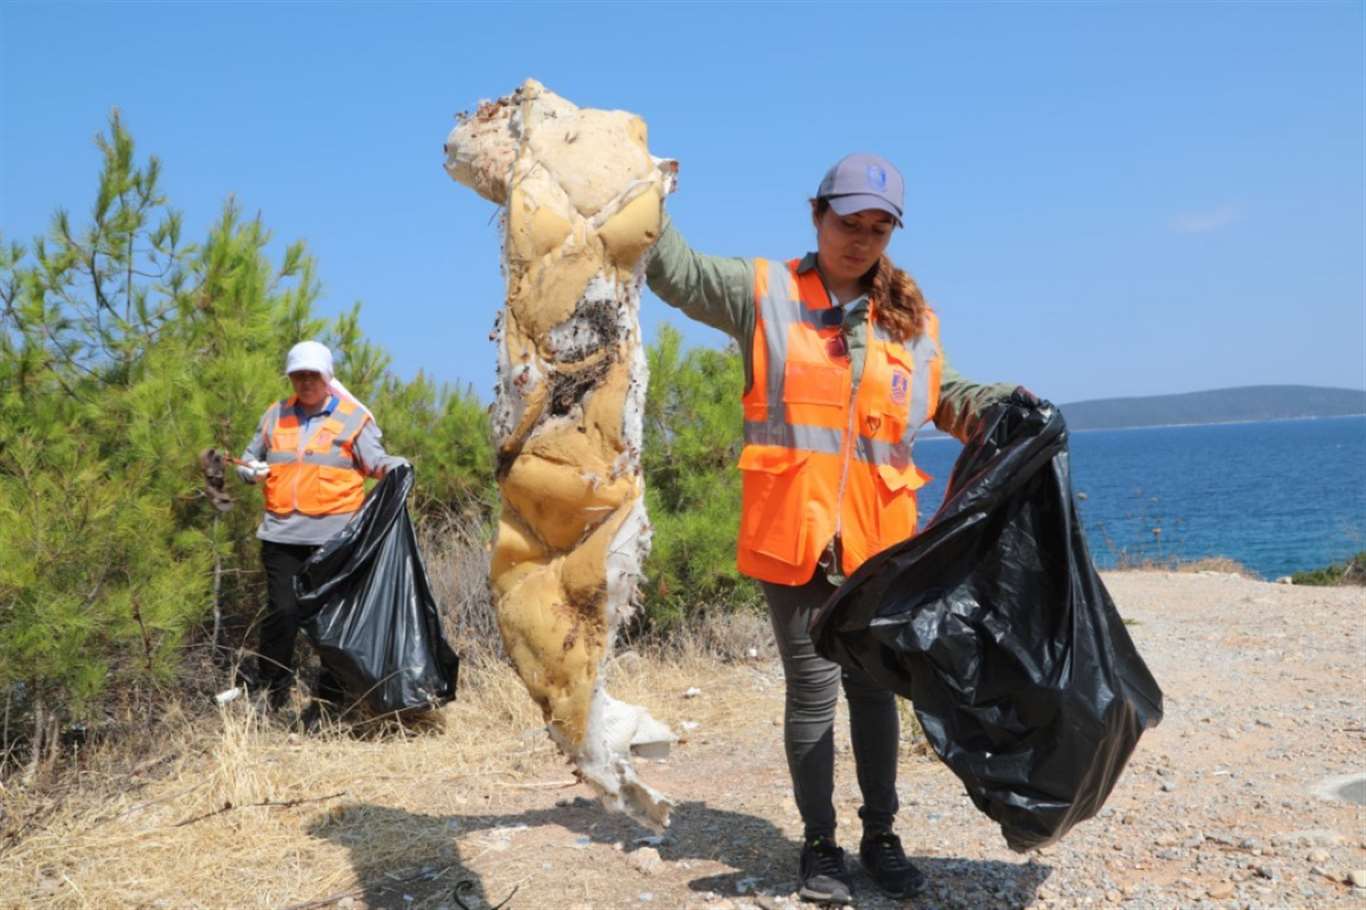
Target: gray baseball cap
x,y
862,181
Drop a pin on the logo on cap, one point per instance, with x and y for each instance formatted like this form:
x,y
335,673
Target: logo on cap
x,y
877,177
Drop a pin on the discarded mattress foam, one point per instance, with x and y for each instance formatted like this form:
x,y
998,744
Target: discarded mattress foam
x,y
582,201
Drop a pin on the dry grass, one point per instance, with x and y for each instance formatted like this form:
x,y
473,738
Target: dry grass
x,y
455,549
1220,564
229,809
238,812
727,637
1217,564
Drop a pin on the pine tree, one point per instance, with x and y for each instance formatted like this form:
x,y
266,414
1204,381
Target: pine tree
x,y
692,443
123,353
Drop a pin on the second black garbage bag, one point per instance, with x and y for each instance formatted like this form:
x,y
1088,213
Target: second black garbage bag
x,y
370,612
994,623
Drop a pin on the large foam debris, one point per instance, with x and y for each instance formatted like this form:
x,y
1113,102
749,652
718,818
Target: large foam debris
x,y
582,201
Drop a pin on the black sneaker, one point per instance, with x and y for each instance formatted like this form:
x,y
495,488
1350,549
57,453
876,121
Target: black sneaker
x,y
823,875
887,865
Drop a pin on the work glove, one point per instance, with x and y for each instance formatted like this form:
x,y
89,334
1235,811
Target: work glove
x,y
253,471
1023,396
394,461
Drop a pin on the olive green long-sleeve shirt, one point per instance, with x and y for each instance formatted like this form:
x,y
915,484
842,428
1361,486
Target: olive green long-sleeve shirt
x,y
719,291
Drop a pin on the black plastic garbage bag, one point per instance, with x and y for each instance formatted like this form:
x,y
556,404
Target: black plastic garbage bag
x,y
370,612
995,624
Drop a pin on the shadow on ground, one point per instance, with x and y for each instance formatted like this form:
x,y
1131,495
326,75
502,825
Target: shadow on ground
x,y
763,857
402,860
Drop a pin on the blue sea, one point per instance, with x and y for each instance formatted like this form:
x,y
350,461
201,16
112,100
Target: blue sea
x,y
1277,496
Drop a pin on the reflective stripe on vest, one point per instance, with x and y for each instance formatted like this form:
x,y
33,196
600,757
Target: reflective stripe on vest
x,y
316,475
825,455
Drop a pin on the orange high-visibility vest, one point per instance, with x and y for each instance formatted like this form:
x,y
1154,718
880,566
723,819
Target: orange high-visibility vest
x,y
315,475
824,456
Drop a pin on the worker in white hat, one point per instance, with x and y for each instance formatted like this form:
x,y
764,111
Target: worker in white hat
x,y
313,450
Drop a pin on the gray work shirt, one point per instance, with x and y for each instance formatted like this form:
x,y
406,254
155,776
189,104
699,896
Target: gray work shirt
x,y
296,527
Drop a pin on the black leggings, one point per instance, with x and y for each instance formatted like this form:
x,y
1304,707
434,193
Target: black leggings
x,y
280,626
813,685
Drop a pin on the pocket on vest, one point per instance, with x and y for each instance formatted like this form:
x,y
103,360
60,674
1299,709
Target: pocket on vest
x,y
336,490
815,383
276,492
909,478
773,502
896,510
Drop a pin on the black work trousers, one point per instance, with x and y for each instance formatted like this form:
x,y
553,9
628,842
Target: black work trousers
x,y
280,626
813,685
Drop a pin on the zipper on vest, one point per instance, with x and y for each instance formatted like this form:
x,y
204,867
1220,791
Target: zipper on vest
x,y
299,461
847,452
851,428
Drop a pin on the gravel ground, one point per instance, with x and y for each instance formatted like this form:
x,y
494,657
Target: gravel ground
x,y
1264,700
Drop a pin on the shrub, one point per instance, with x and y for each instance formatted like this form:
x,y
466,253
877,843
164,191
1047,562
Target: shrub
x,y
1351,572
123,352
692,443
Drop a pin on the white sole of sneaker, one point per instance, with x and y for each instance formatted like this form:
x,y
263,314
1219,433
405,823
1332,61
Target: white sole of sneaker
x,y
817,897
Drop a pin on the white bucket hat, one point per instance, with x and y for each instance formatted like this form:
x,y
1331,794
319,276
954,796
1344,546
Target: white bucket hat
x,y
315,356
310,355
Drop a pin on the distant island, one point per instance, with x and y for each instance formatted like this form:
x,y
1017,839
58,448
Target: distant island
x,y
1254,402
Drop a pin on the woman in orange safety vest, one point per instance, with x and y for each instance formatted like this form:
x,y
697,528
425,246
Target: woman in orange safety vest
x,y
313,450
843,366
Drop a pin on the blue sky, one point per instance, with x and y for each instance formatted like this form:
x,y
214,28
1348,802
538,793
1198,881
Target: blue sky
x,y
1102,199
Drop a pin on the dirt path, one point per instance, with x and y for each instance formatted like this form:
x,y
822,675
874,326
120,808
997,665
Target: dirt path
x,y
1266,697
